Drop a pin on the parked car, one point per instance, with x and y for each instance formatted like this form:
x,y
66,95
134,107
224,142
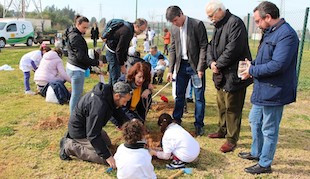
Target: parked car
x,y
16,32
45,36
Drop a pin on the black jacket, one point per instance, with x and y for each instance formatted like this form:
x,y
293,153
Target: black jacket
x,y
94,33
92,112
142,107
78,50
228,46
120,41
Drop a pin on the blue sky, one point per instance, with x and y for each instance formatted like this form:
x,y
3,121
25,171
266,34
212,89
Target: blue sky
x,y
155,9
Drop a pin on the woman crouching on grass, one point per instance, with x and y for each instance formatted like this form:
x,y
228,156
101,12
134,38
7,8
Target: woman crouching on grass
x,y
132,159
139,78
177,143
51,69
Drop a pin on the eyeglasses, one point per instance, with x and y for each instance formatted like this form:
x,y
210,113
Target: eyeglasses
x,y
210,16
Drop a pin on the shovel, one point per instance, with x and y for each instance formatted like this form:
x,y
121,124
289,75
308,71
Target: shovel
x,y
160,90
180,172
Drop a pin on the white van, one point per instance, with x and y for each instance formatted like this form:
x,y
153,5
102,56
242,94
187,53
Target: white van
x,y
16,32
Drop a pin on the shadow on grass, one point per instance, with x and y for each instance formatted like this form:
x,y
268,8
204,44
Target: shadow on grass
x,y
292,162
299,173
294,139
208,160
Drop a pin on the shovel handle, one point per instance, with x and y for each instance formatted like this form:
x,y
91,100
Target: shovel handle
x,y
160,90
180,172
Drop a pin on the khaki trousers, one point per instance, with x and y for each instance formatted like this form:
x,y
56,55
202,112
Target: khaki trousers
x,y
82,149
230,106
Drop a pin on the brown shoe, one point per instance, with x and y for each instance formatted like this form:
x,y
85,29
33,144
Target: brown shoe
x,y
216,135
228,147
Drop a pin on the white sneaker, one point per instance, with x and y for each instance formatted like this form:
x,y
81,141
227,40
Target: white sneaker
x,y
30,92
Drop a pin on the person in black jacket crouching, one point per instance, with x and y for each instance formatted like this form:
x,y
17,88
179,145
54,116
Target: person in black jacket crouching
x,y
85,138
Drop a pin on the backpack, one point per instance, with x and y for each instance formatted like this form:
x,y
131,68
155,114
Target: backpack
x,y
111,27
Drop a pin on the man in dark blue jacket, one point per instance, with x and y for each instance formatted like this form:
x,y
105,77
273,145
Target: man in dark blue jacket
x,y
275,84
85,139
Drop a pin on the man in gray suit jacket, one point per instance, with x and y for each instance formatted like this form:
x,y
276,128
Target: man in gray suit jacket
x,y
187,57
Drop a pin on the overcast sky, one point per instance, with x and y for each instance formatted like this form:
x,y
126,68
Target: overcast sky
x,y
155,9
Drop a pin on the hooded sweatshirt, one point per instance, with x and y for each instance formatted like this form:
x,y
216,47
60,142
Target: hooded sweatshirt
x,y
51,69
92,112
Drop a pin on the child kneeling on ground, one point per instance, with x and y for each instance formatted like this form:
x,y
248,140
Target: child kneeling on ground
x,y
177,143
132,159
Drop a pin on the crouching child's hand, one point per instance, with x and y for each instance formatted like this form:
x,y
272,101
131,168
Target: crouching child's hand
x,y
111,162
152,152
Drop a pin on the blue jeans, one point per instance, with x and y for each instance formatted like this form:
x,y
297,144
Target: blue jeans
x,y
114,68
26,80
191,91
77,84
182,79
265,123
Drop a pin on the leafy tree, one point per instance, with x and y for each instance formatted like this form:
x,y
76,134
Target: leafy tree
x,y
93,20
61,18
9,13
102,23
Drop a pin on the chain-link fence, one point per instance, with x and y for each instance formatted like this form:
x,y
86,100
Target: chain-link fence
x,y
296,18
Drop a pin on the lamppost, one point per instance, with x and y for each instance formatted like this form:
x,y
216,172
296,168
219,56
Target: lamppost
x,y
136,9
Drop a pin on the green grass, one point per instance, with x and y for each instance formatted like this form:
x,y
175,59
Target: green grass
x,y
6,131
30,134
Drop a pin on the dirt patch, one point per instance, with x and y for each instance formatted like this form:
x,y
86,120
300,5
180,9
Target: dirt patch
x,y
95,76
2,167
162,107
153,140
53,122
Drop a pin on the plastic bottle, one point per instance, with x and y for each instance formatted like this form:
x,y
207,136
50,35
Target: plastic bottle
x,y
197,83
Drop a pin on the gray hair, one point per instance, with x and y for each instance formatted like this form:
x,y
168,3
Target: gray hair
x,y
172,12
122,87
154,47
265,8
215,4
140,22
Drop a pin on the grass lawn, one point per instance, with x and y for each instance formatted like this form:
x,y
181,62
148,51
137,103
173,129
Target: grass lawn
x,y
30,130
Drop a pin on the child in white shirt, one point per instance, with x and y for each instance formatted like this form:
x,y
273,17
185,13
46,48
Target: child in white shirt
x,y
132,159
160,68
134,41
146,46
30,61
177,143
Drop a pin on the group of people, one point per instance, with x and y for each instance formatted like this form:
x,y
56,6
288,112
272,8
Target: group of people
x,y
46,64
127,98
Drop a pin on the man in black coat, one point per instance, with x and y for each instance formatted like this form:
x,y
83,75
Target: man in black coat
x,y
85,139
228,46
94,34
117,47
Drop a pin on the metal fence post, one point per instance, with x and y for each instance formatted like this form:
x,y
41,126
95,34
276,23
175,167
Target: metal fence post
x,y
301,44
158,33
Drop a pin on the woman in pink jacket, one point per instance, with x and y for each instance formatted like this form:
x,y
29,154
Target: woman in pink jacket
x,y
51,69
